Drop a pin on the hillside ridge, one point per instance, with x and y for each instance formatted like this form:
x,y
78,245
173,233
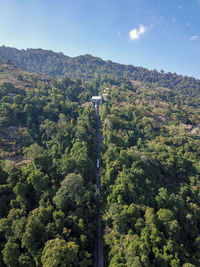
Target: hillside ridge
x,y
88,67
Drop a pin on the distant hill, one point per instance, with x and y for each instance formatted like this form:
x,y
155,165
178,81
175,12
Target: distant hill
x,y
87,67
13,78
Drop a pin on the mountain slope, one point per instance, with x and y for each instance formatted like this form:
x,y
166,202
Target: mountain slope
x,y
150,190
88,67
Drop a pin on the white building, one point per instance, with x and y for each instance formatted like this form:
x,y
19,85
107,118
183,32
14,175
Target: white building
x,y
97,99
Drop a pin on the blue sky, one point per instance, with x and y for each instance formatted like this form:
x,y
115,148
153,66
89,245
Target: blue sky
x,y
149,33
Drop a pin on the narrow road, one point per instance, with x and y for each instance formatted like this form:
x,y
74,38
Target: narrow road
x,y
99,245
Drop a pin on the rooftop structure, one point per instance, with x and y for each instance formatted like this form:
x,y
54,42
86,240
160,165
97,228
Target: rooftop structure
x,y
97,99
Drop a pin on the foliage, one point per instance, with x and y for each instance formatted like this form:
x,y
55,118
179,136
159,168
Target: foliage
x,y
150,190
150,183
47,215
88,67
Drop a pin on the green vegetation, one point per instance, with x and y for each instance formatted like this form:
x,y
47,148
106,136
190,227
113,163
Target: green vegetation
x,y
87,67
149,169
47,175
150,178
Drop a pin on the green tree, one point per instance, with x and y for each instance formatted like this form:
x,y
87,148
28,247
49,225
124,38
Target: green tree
x,y
70,193
58,252
11,253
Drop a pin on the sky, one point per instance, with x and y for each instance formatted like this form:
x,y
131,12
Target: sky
x,y
161,35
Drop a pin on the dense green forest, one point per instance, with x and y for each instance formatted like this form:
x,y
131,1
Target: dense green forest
x,y
88,67
150,182
47,172
150,166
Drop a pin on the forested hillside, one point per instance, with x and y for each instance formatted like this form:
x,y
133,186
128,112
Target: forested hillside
x,y
150,178
88,67
150,168
47,173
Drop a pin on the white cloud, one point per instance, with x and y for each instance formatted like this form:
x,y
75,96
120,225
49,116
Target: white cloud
x,y
194,37
135,33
